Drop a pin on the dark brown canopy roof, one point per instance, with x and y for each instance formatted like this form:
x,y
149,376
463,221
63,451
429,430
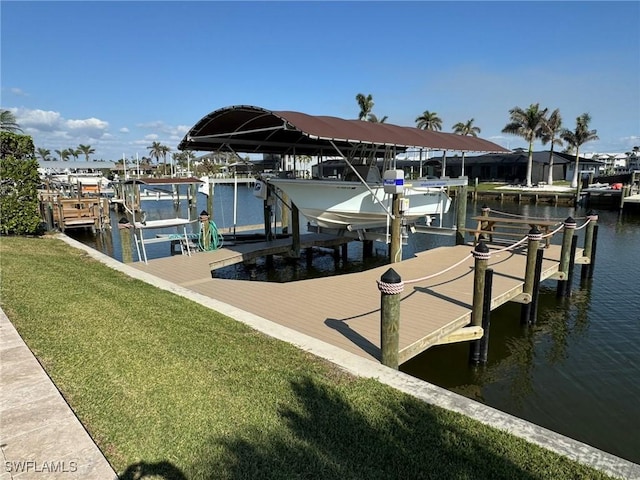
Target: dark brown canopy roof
x,y
249,129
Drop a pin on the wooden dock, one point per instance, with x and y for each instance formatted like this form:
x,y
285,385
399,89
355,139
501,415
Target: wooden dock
x,y
344,310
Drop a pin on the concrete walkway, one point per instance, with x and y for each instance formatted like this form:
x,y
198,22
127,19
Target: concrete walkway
x,y
35,426
40,436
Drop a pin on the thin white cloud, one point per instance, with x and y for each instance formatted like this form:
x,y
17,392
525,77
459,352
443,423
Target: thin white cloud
x,y
18,92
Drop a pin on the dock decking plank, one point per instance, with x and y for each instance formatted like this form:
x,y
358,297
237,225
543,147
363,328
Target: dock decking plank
x,y
344,310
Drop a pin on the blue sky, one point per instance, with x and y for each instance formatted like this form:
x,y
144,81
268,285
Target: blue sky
x,y
119,75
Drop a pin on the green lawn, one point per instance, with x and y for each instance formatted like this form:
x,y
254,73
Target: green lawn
x,y
167,386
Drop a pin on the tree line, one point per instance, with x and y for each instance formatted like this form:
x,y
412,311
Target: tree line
x,y
531,123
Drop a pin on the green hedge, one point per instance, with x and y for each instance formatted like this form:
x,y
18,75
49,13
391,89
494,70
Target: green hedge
x,y
18,186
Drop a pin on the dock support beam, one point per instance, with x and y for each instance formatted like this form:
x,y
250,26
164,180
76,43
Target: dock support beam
x,y
390,286
534,236
481,254
588,252
461,214
565,254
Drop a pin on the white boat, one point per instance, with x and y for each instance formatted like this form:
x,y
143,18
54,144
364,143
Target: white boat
x,y
86,179
354,205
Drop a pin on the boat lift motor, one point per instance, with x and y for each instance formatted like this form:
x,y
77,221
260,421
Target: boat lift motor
x,y
393,181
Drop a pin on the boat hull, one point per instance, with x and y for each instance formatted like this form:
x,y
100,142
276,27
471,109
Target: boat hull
x,y
351,205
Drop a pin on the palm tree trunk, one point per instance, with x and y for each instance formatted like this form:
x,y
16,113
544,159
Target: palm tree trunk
x,y
574,181
550,175
529,165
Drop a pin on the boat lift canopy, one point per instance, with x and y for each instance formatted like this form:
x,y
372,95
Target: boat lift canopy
x,y
250,129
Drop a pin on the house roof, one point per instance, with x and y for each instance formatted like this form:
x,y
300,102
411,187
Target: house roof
x,y
519,157
250,129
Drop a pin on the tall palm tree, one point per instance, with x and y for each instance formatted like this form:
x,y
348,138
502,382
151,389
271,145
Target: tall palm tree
x,y
165,151
8,122
44,154
86,150
550,133
469,129
526,124
365,104
155,151
429,121
578,137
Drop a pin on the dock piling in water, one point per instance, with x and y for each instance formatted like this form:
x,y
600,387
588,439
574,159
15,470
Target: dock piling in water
x,y
479,350
563,269
481,254
534,236
588,244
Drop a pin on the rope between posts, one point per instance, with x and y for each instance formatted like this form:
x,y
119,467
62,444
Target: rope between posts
x,y
551,234
528,217
583,225
441,272
511,246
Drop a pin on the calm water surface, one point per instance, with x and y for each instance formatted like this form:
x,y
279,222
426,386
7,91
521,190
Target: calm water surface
x,y
576,371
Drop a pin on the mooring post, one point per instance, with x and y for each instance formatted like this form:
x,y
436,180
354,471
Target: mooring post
x,y
367,249
395,251
485,211
533,313
295,230
124,228
593,251
481,255
345,252
588,243
572,262
486,316
534,236
563,269
210,187
461,214
390,286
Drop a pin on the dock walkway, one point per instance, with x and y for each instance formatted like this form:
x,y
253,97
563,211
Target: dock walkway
x,y
344,310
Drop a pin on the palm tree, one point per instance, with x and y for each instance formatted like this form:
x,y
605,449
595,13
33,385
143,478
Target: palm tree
x,y
575,139
365,104
86,150
155,150
8,122
429,121
44,154
63,154
469,129
165,151
373,119
74,152
550,133
526,124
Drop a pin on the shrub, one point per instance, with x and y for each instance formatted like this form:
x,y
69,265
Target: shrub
x,y
18,185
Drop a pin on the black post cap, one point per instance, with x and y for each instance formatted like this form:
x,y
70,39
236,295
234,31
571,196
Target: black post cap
x,y
481,247
390,276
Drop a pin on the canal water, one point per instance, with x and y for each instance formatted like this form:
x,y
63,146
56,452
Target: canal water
x,y
576,371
